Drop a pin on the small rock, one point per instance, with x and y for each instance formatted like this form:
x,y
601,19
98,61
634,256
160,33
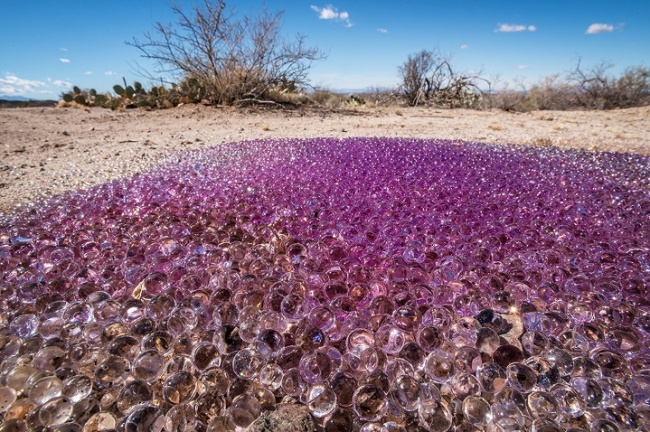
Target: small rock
x,y
284,418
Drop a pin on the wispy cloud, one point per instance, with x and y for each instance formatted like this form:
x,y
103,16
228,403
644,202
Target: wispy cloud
x,y
330,12
596,28
512,28
61,83
382,30
109,73
464,46
63,49
12,85
64,60
522,67
88,73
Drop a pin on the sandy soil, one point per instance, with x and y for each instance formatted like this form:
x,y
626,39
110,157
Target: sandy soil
x,y
45,151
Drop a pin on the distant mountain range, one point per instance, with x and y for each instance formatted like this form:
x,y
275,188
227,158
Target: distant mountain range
x,y
7,101
15,98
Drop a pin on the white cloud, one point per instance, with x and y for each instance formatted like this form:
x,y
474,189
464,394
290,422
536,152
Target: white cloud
x,y
510,28
464,46
522,67
61,83
109,73
12,85
329,12
596,28
382,30
88,73
63,49
64,60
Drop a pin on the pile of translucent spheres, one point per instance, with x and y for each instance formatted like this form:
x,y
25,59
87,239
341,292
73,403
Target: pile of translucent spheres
x,y
382,284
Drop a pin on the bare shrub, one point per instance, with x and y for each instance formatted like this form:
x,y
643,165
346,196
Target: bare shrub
x,y
596,89
551,93
633,87
506,96
381,97
429,77
232,60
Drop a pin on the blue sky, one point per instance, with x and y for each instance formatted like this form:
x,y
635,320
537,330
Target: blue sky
x,y
45,46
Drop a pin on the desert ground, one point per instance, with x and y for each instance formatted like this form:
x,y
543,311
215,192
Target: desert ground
x,y
46,151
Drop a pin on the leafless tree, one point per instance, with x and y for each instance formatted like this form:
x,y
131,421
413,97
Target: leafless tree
x,y
428,76
414,76
230,59
594,87
633,87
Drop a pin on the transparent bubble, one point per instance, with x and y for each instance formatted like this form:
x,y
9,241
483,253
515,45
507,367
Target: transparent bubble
x,y
477,411
206,355
247,363
77,388
616,393
144,418
339,421
507,416
547,373
344,387
464,384
124,346
570,402
135,393
429,338
315,367
521,377
55,411
7,398
435,415
78,313
542,404
507,354
369,402
406,391
611,364
112,371
390,338
321,400
439,366
244,410
491,376
24,326
51,327
270,343
44,389
148,365
292,383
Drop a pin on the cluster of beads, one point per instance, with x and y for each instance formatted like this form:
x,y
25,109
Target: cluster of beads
x,y
383,284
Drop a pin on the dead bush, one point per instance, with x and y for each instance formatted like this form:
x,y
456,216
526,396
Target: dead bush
x,y
429,77
230,59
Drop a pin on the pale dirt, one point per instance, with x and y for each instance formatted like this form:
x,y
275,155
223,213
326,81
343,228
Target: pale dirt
x,y
46,151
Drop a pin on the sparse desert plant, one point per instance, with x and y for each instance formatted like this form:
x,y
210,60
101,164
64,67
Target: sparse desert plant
x,y
553,92
327,98
595,88
429,77
126,96
633,87
81,97
233,60
355,100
